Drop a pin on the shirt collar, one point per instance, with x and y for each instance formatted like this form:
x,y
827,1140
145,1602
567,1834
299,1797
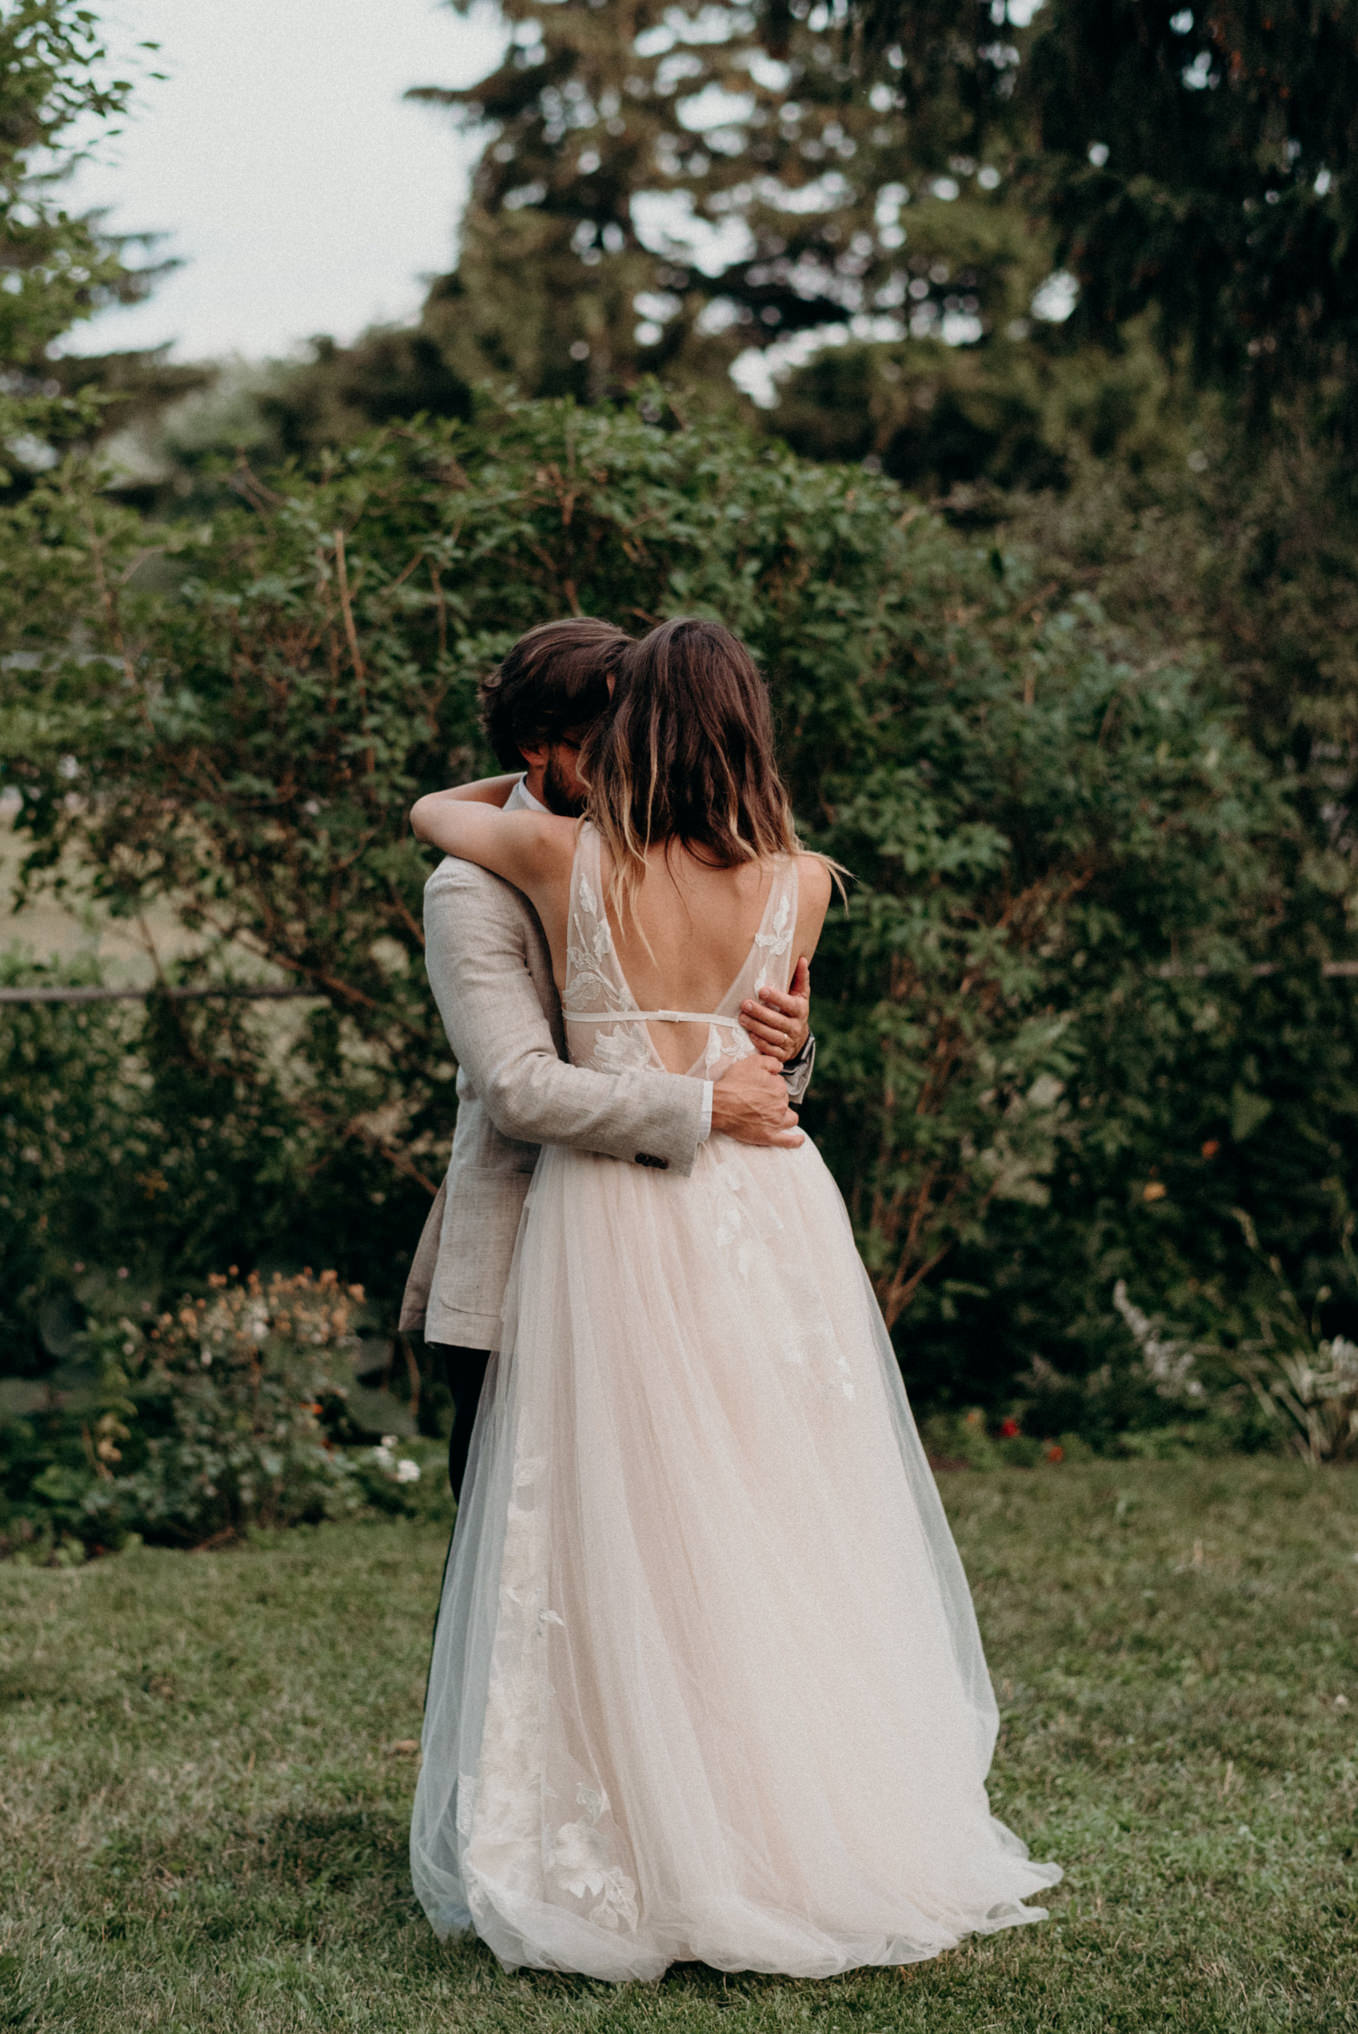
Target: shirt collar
x,y
525,797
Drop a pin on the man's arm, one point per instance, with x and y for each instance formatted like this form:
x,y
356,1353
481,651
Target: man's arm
x,y
497,1029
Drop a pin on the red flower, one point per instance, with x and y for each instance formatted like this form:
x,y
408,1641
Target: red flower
x,y
1009,1429
1056,1453
1211,1147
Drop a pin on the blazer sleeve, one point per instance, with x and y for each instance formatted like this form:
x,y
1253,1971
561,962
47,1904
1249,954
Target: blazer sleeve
x,y
477,958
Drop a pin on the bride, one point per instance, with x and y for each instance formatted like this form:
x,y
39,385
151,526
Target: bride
x,y
706,1682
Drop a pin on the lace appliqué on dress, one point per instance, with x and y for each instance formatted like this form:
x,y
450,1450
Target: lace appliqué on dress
x,y
619,1047
775,942
579,1859
500,1807
726,1043
591,969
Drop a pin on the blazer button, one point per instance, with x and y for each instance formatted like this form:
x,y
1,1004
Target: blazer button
x,y
648,1158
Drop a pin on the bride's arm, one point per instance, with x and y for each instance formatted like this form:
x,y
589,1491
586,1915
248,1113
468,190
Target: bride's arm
x,y
467,821
483,791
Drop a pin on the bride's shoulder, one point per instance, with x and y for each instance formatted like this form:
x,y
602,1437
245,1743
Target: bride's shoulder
x,y
546,835
814,879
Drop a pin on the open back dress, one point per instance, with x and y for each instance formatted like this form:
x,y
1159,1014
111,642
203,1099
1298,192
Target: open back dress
x,y
706,1682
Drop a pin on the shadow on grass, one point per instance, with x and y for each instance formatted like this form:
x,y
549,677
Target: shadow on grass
x,y
300,1874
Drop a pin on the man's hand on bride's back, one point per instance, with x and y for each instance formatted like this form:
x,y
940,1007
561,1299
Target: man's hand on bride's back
x,y
750,1103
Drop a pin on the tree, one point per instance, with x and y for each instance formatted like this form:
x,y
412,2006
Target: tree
x,y
58,269
670,186
1197,165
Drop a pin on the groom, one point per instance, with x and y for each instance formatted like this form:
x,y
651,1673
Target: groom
x,y
491,974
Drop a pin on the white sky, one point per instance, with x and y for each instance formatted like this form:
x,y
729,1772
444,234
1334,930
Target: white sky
x,y
281,163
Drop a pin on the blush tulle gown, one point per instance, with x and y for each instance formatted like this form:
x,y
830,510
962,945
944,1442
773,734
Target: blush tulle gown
x,y
706,1681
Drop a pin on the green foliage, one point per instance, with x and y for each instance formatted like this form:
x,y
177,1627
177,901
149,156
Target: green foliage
x,y
159,1141
968,1440
978,428
223,1414
1202,164
1197,165
56,92
1304,1383
1242,1091
664,188
70,1120
1036,824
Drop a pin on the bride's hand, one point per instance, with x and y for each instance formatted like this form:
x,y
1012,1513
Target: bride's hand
x,y
780,1024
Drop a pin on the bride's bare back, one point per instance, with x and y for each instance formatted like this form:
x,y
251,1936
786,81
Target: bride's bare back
x,y
686,943
691,928
689,935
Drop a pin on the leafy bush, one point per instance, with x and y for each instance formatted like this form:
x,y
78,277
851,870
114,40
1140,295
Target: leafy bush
x,y
230,1411
1304,1382
129,1142
1042,829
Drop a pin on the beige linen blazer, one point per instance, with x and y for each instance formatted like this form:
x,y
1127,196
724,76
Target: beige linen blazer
x,y
491,972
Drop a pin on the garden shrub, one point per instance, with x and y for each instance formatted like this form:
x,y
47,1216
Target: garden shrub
x,y
130,1142
237,1408
1051,838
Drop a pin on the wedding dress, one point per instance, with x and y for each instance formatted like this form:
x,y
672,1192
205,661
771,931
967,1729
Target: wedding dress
x,y
706,1680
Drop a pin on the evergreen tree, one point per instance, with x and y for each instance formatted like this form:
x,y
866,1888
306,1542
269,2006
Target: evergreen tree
x,y
670,185
57,269
1198,165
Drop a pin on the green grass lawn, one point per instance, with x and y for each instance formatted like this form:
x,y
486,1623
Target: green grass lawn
x,y
207,1778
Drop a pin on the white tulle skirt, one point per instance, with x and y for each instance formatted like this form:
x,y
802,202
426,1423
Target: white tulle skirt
x,y
706,1681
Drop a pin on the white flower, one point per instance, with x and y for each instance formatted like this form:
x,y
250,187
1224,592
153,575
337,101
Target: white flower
x,y
1343,1359
407,1471
1168,1365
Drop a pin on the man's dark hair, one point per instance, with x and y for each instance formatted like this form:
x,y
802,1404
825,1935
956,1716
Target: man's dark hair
x,y
553,684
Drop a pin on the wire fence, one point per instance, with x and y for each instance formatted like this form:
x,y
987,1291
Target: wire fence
x,y
57,993
1346,970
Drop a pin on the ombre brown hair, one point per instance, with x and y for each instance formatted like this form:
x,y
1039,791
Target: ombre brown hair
x,y
685,755
552,684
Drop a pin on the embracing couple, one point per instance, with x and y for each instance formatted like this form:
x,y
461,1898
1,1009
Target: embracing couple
x,y
706,1682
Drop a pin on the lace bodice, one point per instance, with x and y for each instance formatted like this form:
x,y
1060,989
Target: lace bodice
x,y
605,1026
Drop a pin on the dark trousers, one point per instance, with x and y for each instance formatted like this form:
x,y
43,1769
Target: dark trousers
x,y
464,1371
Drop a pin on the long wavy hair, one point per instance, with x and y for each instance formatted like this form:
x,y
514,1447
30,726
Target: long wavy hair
x,y
684,756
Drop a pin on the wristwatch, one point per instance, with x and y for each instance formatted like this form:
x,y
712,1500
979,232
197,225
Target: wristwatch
x,y
799,1059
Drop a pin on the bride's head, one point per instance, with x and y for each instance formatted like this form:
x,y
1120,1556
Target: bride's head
x,y
684,754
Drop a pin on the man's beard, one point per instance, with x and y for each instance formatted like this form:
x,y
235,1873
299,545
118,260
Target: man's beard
x,y
555,794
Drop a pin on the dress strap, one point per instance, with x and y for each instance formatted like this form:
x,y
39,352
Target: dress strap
x,y
651,1017
774,937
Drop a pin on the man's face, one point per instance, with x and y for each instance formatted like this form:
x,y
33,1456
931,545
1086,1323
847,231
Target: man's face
x,y
553,775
